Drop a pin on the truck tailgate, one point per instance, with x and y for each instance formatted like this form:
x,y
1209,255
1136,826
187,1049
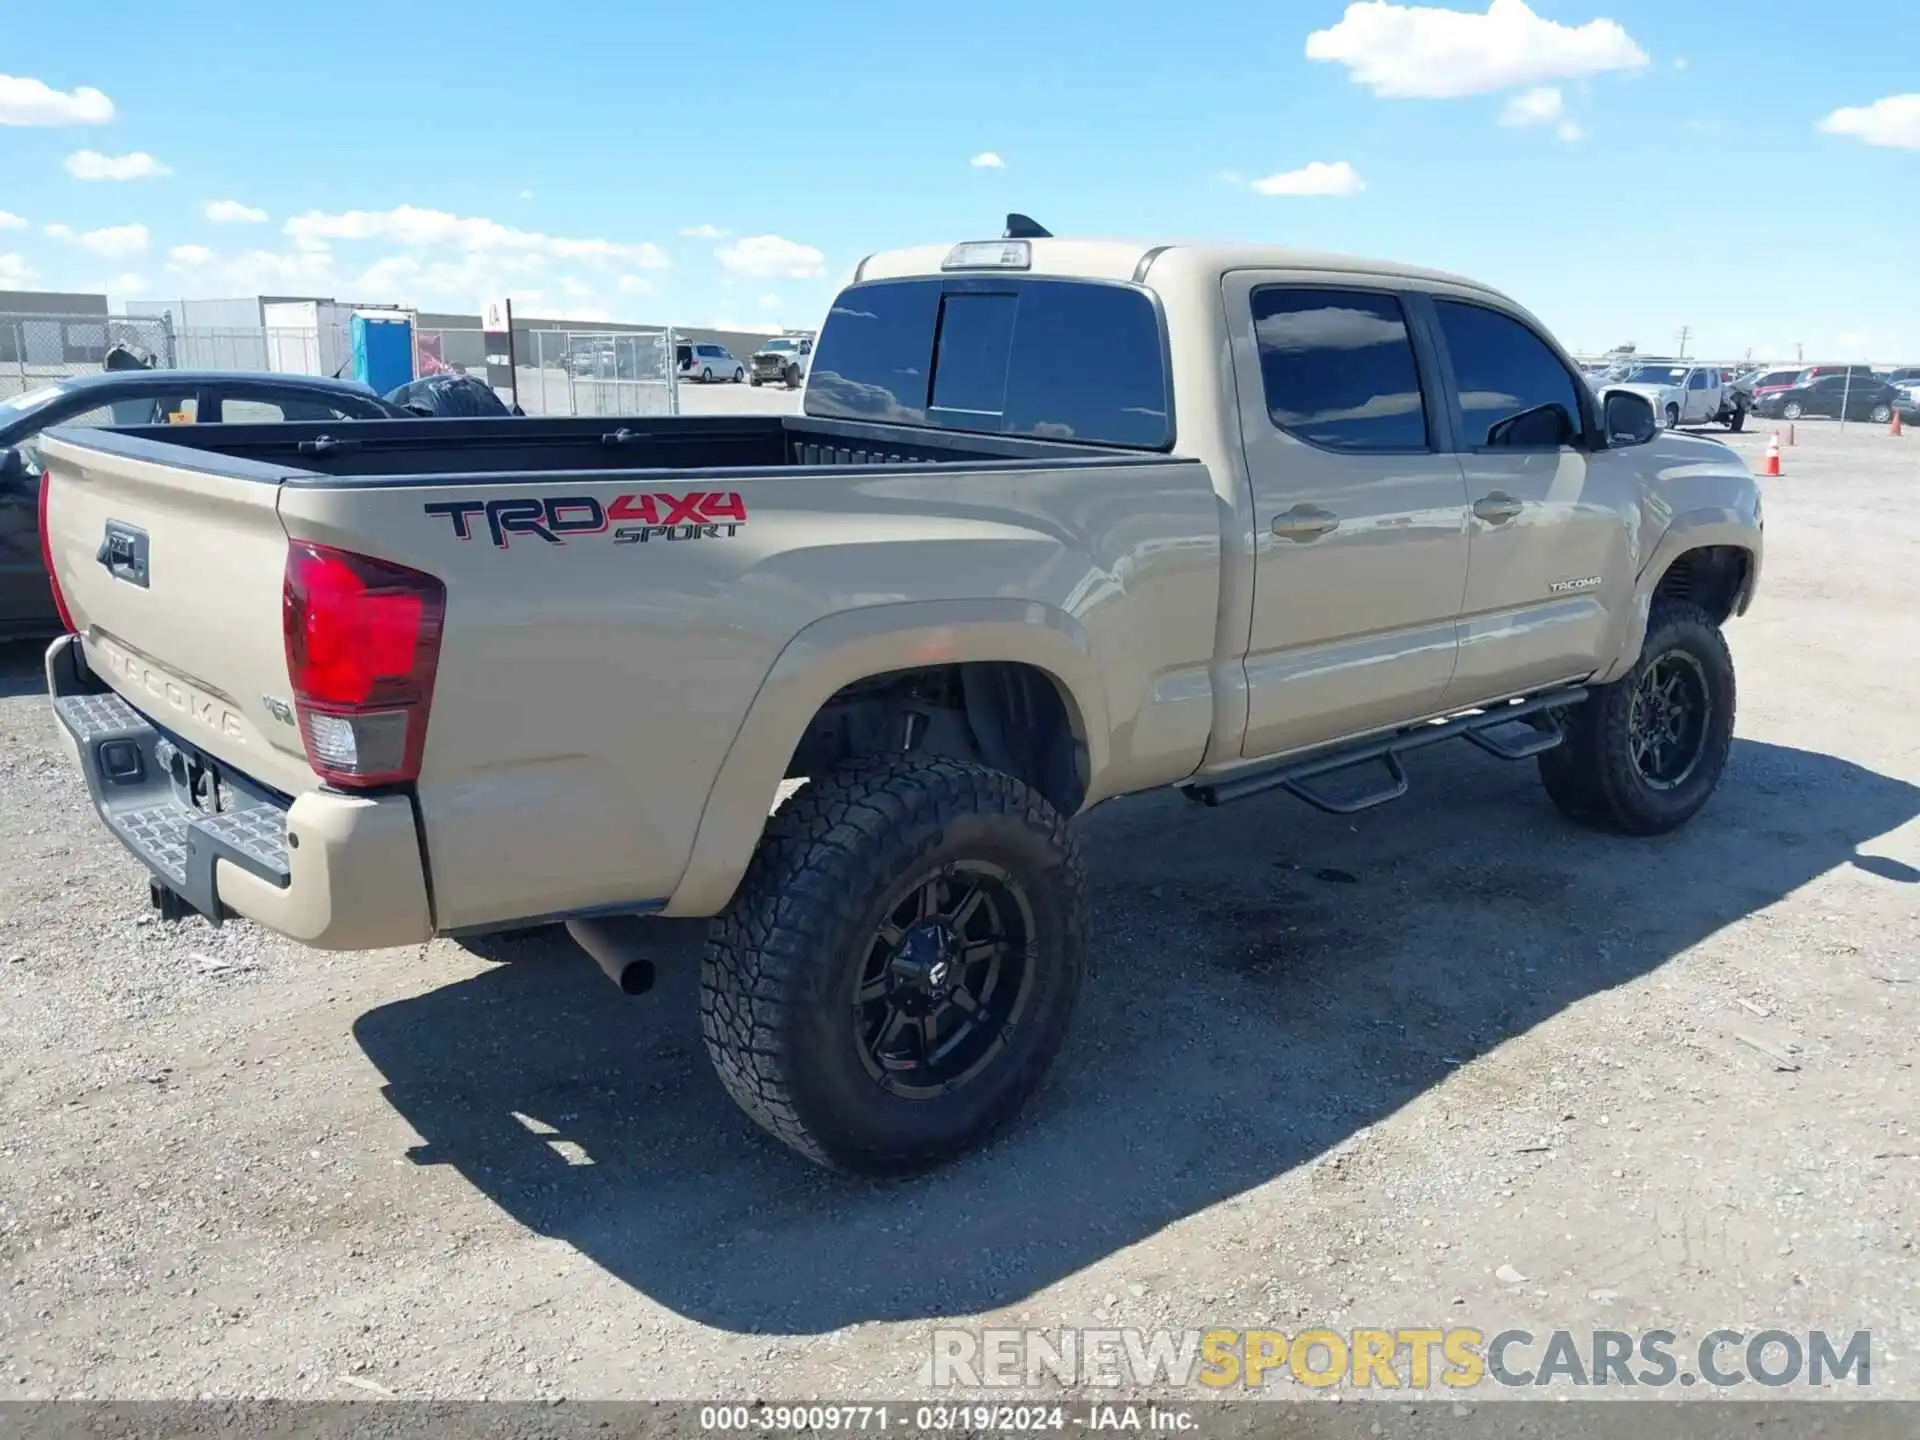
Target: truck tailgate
x,y
173,578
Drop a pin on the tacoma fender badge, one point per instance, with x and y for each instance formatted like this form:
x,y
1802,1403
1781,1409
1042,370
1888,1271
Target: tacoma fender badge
x,y
1585,582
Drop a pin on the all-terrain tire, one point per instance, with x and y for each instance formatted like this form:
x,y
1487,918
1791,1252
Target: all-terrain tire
x,y
784,957
1592,775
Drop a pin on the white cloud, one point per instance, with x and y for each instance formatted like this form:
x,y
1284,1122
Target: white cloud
x,y
1539,106
704,232
1679,62
34,102
233,212
1231,177
770,257
769,302
116,242
1426,52
125,285
418,228
526,194
16,273
1893,122
987,160
575,287
187,257
634,285
1570,131
11,222
92,165
1317,178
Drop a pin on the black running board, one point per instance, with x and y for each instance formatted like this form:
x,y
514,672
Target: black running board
x,y
1540,713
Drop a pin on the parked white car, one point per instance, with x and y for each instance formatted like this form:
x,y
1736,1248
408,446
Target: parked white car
x,y
1686,394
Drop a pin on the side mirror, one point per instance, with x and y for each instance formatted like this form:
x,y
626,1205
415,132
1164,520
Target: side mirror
x,y
1541,428
1630,418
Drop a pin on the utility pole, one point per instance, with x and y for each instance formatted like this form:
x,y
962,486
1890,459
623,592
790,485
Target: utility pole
x,y
1799,353
1685,331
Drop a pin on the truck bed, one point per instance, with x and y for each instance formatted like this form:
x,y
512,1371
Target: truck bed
x,y
428,449
635,622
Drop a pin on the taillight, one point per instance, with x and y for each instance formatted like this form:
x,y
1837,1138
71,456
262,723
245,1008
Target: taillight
x,y
363,642
46,559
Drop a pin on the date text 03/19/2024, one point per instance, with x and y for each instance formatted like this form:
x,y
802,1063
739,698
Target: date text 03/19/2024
x,y
936,1419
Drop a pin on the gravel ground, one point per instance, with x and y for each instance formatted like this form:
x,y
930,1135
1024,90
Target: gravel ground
x,y
1449,1062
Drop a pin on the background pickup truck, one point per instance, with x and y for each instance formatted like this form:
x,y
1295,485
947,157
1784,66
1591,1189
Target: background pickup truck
x,y
1062,521
1683,393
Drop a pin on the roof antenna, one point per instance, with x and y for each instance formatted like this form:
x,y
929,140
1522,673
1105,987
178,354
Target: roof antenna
x,y
1022,227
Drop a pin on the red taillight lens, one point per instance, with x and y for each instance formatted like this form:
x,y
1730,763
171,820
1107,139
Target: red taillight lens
x,y
363,642
46,559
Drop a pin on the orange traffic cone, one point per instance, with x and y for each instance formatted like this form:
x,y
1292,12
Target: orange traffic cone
x,y
1893,425
1771,465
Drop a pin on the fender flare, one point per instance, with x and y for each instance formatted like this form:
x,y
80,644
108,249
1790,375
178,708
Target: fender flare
x,y
1690,530
849,645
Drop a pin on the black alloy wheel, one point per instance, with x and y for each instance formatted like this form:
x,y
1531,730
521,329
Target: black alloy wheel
x,y
945,981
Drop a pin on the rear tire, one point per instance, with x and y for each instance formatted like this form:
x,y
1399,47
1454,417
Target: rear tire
x,y
1792,410
706,376
739,374
1643,754
817,976
1881,414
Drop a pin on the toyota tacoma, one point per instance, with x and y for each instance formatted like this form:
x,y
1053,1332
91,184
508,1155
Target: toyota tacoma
x,y
1060,521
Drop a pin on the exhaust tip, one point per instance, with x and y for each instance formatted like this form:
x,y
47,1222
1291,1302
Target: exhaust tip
x,y
614,943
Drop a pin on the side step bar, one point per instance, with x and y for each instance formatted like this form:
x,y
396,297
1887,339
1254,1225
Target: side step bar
x,y
1539,713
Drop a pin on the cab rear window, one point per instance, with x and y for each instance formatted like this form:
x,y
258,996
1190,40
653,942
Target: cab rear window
x,y
1055,359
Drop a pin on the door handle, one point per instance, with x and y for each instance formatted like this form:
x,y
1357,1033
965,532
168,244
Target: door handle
x,y
1305,522
1497,508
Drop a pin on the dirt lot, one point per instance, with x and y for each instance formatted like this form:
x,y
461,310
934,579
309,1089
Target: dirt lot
x,y
1339,1072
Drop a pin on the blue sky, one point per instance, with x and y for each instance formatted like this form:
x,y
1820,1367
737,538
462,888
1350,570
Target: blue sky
x,y
1623,167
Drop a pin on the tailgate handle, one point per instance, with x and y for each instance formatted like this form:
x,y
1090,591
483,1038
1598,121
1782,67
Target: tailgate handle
x,y
123,551
327,445
622,436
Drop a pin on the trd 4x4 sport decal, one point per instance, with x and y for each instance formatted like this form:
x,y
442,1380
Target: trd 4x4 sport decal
x,y
634,519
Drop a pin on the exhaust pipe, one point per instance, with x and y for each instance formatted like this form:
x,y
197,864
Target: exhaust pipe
x,y
614,943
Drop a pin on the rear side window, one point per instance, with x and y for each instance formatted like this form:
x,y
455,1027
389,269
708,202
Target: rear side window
x,y
1338,368
1059,359
1514,392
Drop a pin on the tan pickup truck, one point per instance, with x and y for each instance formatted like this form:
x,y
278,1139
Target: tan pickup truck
x,y
1061,521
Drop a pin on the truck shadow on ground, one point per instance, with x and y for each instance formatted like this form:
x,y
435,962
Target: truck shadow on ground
x,y
1268,980
22,668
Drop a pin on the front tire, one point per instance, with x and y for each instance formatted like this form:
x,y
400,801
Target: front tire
x,y
1643,754
1673,417
898,968
793,377
738,374
1738,421
1792,410
1881,414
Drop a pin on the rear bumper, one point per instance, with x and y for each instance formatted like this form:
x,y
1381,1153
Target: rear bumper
x,y
334,871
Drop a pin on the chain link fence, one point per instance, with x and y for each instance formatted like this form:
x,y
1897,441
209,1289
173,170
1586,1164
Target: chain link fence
x,y
597,372
558,371
38,349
